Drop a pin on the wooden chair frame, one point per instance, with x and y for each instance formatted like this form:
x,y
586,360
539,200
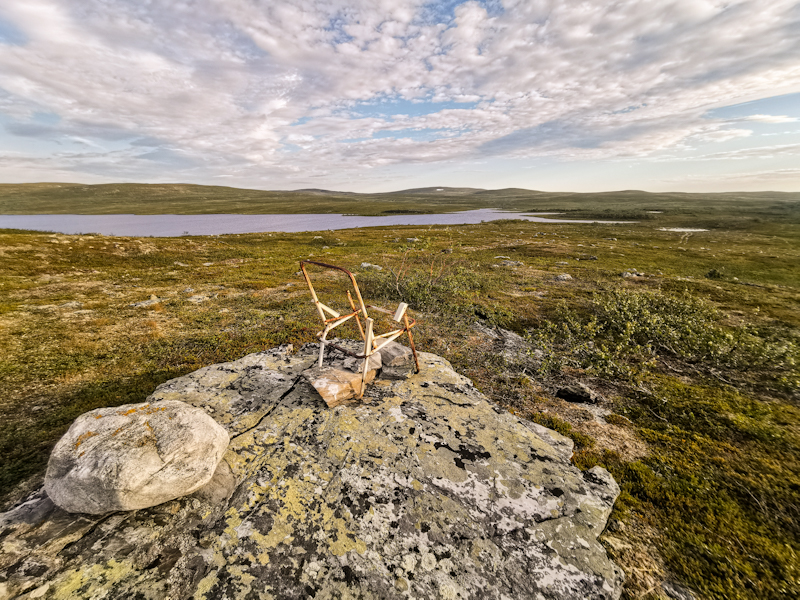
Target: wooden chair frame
x,y
372,342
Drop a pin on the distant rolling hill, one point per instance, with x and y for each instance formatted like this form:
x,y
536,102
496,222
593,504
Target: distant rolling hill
x,y
136,198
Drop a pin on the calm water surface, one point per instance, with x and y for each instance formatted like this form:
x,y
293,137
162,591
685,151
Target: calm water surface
x,y
175,225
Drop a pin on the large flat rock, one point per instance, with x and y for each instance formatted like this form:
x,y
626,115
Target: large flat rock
x,y
426,491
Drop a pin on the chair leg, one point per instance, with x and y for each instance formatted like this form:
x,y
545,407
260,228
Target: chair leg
x,y
411,341
322,345
367,353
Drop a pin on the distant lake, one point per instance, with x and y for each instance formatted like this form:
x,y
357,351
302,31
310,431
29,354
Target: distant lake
x,y
176,225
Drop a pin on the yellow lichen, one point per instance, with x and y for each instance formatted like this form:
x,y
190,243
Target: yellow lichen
x,y
345,540
99,577
83,437
205,585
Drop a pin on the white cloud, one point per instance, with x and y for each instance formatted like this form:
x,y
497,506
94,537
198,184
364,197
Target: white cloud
x,y
757,153
270,88
773,119
722,135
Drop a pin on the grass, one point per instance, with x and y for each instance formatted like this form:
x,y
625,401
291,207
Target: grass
x,y
696,357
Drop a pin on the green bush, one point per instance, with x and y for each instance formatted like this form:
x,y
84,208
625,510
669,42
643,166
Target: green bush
x,y
427,288
623,332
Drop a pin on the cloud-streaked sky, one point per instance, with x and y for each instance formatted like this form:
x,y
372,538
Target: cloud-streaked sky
x,y
380,95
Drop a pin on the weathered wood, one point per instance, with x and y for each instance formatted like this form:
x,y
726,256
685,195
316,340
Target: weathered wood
x,y
371,344
401,310
328,309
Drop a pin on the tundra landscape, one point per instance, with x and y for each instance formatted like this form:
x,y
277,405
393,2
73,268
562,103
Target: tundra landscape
x,y
683,323
588,211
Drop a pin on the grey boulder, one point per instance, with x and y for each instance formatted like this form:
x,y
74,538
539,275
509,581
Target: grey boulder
x,y
133,456
424,490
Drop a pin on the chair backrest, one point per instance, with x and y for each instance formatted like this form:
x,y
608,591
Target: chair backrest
x,y
328,314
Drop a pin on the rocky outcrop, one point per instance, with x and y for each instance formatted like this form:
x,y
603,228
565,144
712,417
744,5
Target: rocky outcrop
x,y
425,490
133,456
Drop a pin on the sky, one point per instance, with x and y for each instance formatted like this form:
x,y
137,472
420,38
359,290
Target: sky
x,y
383,95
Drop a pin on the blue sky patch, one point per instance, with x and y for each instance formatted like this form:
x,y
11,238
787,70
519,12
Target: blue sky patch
x,y
419,135
399,106
336,26
785,105
443,11
11,35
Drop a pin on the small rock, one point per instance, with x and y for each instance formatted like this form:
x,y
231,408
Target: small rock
x,y
563,277
180,264
366,265
502,257
133,456
71,305
511,263
562,262
412,240
197,298
578,393
208,264
677,592
356,365
153,300
397,361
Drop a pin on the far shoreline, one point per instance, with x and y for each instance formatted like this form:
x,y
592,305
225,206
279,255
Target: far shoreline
x,y
229,224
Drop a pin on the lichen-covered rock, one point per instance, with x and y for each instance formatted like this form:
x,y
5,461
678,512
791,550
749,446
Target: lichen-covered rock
x,y
426,491
133,456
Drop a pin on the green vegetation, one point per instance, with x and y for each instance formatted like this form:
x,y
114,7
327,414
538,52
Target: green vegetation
x,y
696,351
622,333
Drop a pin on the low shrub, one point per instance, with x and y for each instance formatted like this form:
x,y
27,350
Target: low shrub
x,y
623,333
427,284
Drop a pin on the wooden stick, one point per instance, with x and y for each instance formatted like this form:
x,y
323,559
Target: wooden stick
x,y
367,354
358,320
411,340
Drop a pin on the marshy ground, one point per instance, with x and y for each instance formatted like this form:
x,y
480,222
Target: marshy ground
x,y
696,352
